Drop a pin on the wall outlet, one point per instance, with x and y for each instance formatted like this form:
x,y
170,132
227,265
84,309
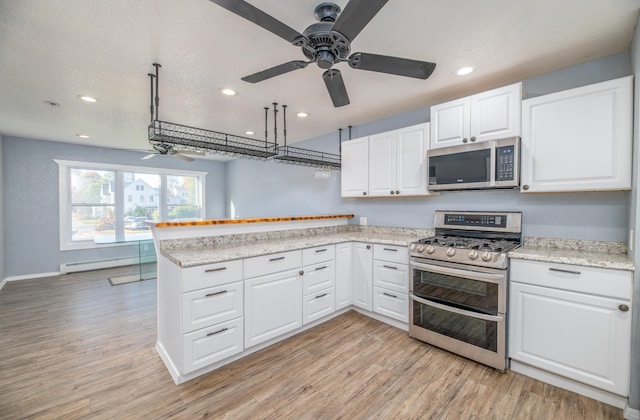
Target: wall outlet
x,y
363,221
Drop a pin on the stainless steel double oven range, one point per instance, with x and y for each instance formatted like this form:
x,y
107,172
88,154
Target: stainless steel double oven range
x,y
458,287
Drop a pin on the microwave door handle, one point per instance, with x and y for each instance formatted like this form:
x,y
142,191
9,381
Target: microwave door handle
x,y
491,167
458,311
474,275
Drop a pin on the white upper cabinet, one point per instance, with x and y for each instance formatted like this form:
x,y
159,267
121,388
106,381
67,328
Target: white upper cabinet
x,y
396,163
355,167
490,115
579,139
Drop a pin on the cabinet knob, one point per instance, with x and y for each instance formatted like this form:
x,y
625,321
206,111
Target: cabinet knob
x,y
464,140
301,272
392,192
525,187
364,193
473,138
368,246
623,308
397,192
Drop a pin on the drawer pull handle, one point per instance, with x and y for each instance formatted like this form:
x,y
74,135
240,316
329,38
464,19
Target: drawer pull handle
x,y
560,270
276,259
217,332
390,295
623,308
211,270
321,250
321,268
215,293
390,249
390,266
322,295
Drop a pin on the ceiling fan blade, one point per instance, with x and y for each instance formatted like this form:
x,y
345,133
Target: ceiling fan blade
x,y
335,85
392,65
275,71
260,18
192,152
181,156
149,156
356,15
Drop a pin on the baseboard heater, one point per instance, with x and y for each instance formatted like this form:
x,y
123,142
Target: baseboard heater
x,y
97,265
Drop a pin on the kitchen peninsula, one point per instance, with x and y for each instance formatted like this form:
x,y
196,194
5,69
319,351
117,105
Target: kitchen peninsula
x,y
228,288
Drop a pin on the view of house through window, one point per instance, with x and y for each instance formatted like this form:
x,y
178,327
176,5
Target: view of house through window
x,y
111,203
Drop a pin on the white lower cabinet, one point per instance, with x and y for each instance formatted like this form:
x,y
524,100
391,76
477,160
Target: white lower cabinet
x,y
391,281
318,283
361,269
572,321
317,305
273,306
344,288
208,345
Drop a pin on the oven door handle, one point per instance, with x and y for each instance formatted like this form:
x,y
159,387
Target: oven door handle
x,y
474,275
495,318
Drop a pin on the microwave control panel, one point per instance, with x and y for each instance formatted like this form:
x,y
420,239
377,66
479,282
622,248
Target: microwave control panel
x,y
505,163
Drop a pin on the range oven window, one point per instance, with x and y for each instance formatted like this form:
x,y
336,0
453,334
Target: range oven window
x,y
464,293
474,331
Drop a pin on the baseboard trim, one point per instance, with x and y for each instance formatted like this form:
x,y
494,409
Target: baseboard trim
x,y
32,276
2,283
631,413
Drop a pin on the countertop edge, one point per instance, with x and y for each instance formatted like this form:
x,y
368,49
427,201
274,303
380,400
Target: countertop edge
x,y
162,225
575,257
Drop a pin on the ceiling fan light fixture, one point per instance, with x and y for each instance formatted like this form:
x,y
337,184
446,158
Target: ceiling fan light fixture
x,y
228,91
87,98
463,71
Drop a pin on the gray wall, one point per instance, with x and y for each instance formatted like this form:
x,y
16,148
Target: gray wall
x,y
268,188
32,205
2,223
634,218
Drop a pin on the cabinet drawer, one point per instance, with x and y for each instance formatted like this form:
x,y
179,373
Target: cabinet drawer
x,y
210,275
272,263
205,307
318,254
391,276
391,303
318,277
592,280
316,305
209,345
393,253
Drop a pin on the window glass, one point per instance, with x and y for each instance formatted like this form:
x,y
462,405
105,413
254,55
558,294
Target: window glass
x,y
182,198
92,199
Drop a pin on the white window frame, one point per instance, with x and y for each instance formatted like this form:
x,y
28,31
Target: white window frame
x,y
64,167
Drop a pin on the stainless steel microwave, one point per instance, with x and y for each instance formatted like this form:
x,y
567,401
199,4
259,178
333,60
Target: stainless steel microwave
x,y
484,165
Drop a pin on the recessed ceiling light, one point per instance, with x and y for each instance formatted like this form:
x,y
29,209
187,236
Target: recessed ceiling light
x,y
87,98
302,114
249,133
82,136
462,71
228,91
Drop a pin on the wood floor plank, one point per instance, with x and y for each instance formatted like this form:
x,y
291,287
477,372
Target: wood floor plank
x,y
76,347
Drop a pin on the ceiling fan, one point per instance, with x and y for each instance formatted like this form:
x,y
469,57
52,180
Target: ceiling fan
x,y
328,42
164,149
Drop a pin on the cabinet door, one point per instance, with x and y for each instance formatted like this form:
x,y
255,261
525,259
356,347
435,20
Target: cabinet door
x,y
362,275
411,159
579,139
382,164
579,336
355,168
450,123
392,276
317,305
318,277
206,307
209,345
344,284
496,114
391,303
273,306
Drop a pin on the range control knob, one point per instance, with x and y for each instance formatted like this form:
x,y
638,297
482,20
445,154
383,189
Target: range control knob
x,y
430,249
473,254
420,248
451,252
486,256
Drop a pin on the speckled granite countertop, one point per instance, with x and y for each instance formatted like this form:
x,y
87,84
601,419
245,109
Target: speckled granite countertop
x,y
585,253
200,251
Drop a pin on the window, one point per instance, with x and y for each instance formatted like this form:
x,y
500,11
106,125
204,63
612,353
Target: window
x,y
98,201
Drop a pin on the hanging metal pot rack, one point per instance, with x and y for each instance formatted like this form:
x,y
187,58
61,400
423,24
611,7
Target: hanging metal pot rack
x,y
185,138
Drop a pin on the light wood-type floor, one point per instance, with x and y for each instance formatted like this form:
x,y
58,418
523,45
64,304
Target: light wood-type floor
x,y
75,347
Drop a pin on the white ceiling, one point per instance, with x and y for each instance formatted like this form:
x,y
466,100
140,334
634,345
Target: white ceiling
x,y
55,50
